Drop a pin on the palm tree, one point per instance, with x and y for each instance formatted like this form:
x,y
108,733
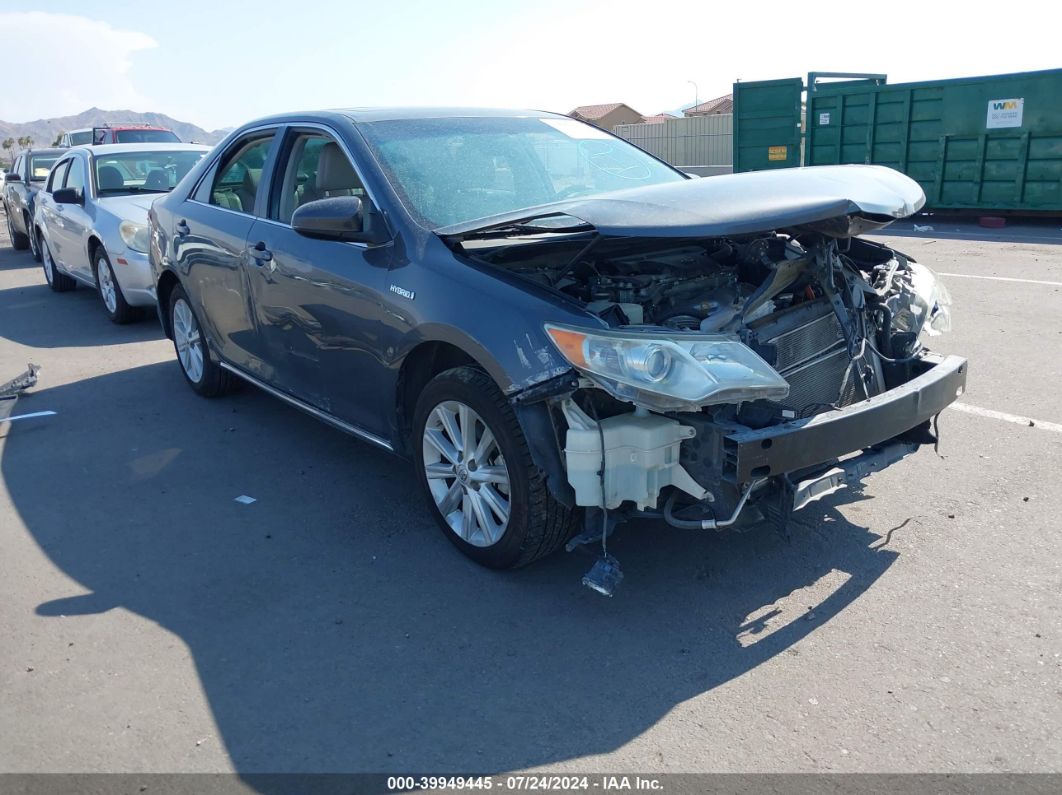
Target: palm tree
x,y
7,144
24,142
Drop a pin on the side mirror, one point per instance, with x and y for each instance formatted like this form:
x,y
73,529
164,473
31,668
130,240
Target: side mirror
x,y
337,218
68,196
12,176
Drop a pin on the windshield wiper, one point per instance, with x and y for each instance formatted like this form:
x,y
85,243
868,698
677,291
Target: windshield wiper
x,y
524,228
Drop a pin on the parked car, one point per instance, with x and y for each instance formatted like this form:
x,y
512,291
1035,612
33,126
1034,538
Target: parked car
x,y
92,216
21,185
119,134
558,329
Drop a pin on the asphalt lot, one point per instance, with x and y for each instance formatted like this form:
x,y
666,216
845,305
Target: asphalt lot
x,y
151,623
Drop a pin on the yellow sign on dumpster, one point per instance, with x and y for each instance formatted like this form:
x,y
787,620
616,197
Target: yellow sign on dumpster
x,y
777,152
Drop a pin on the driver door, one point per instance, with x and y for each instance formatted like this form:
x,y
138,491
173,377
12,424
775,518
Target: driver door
x,y
318,303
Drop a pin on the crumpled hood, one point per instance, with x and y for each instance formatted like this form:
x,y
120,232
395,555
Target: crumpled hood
x,y
840,200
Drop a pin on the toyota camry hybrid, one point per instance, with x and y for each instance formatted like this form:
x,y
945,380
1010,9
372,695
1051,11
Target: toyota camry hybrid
x,y
559,330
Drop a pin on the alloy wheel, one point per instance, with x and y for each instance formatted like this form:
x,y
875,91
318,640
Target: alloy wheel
x,y
188,340
466,473
46,262
108,290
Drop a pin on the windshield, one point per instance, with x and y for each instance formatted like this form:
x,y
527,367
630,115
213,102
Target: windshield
x,y
145,137
40,165
79,138
142,172
448,171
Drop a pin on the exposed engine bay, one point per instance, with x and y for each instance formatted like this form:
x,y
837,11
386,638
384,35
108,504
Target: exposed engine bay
x,y
834,317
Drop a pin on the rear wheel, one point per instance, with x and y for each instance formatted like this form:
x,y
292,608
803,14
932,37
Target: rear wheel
x,y
19,241
476,471
59,282
110,291
200,371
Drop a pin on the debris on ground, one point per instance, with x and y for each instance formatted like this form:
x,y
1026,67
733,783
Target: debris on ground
x,y
20,383
923,228
10,391
243,499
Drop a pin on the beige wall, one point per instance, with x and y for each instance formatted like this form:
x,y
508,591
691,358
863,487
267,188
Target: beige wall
x,y
620,115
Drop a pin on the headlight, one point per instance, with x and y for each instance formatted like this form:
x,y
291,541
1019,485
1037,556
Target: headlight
x,y
135,235
669,374
928,307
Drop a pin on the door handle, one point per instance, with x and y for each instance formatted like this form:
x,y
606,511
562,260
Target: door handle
x,y
183,228
259,253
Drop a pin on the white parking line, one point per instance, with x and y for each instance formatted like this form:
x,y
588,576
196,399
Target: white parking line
x,y
1001,279
1017,419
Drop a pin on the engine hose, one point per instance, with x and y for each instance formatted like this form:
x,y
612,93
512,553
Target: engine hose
x,y
708,524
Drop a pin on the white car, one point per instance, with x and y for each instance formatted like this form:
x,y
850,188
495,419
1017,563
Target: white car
x,y
91,218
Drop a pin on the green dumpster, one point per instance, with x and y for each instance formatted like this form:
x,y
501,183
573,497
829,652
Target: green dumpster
x,y
979,143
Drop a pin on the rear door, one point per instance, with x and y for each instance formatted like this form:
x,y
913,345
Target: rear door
x,y
210,248
51,220
75,223
767,124
318,303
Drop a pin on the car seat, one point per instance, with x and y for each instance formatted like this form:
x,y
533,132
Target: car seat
x,y
109,178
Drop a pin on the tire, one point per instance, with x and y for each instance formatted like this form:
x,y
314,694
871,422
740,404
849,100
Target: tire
x,y
59,282
19,241
110,292
461,502
35,249
201,372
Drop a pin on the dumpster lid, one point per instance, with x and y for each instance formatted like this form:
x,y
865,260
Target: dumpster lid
x,y
837,200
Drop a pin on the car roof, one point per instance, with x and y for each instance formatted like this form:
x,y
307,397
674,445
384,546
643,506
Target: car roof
x,y
113,149
50,150
368,115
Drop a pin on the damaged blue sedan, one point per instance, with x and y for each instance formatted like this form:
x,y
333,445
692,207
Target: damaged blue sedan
x,y
557,329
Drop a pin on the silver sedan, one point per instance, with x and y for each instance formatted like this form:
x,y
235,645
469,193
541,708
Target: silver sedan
x,y
90,222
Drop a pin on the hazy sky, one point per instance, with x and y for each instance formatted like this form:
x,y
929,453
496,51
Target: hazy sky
x,y
221,63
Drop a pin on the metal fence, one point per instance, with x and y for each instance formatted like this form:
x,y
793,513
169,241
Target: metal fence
x,y
686,142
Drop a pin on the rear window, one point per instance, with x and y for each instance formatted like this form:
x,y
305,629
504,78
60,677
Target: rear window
x,y
40,165
80,138
145,137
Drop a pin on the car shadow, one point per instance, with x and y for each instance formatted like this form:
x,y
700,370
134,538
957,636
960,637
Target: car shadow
x,y
10,259
334,628
29,319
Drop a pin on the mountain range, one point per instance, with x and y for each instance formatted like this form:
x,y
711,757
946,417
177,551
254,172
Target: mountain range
x,y
44,131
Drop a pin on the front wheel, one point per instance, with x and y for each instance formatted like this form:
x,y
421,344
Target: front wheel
x,y
199,370
476,471
118,310
35,248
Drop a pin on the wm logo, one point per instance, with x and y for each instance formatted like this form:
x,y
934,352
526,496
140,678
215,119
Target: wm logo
x,y
1008,105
